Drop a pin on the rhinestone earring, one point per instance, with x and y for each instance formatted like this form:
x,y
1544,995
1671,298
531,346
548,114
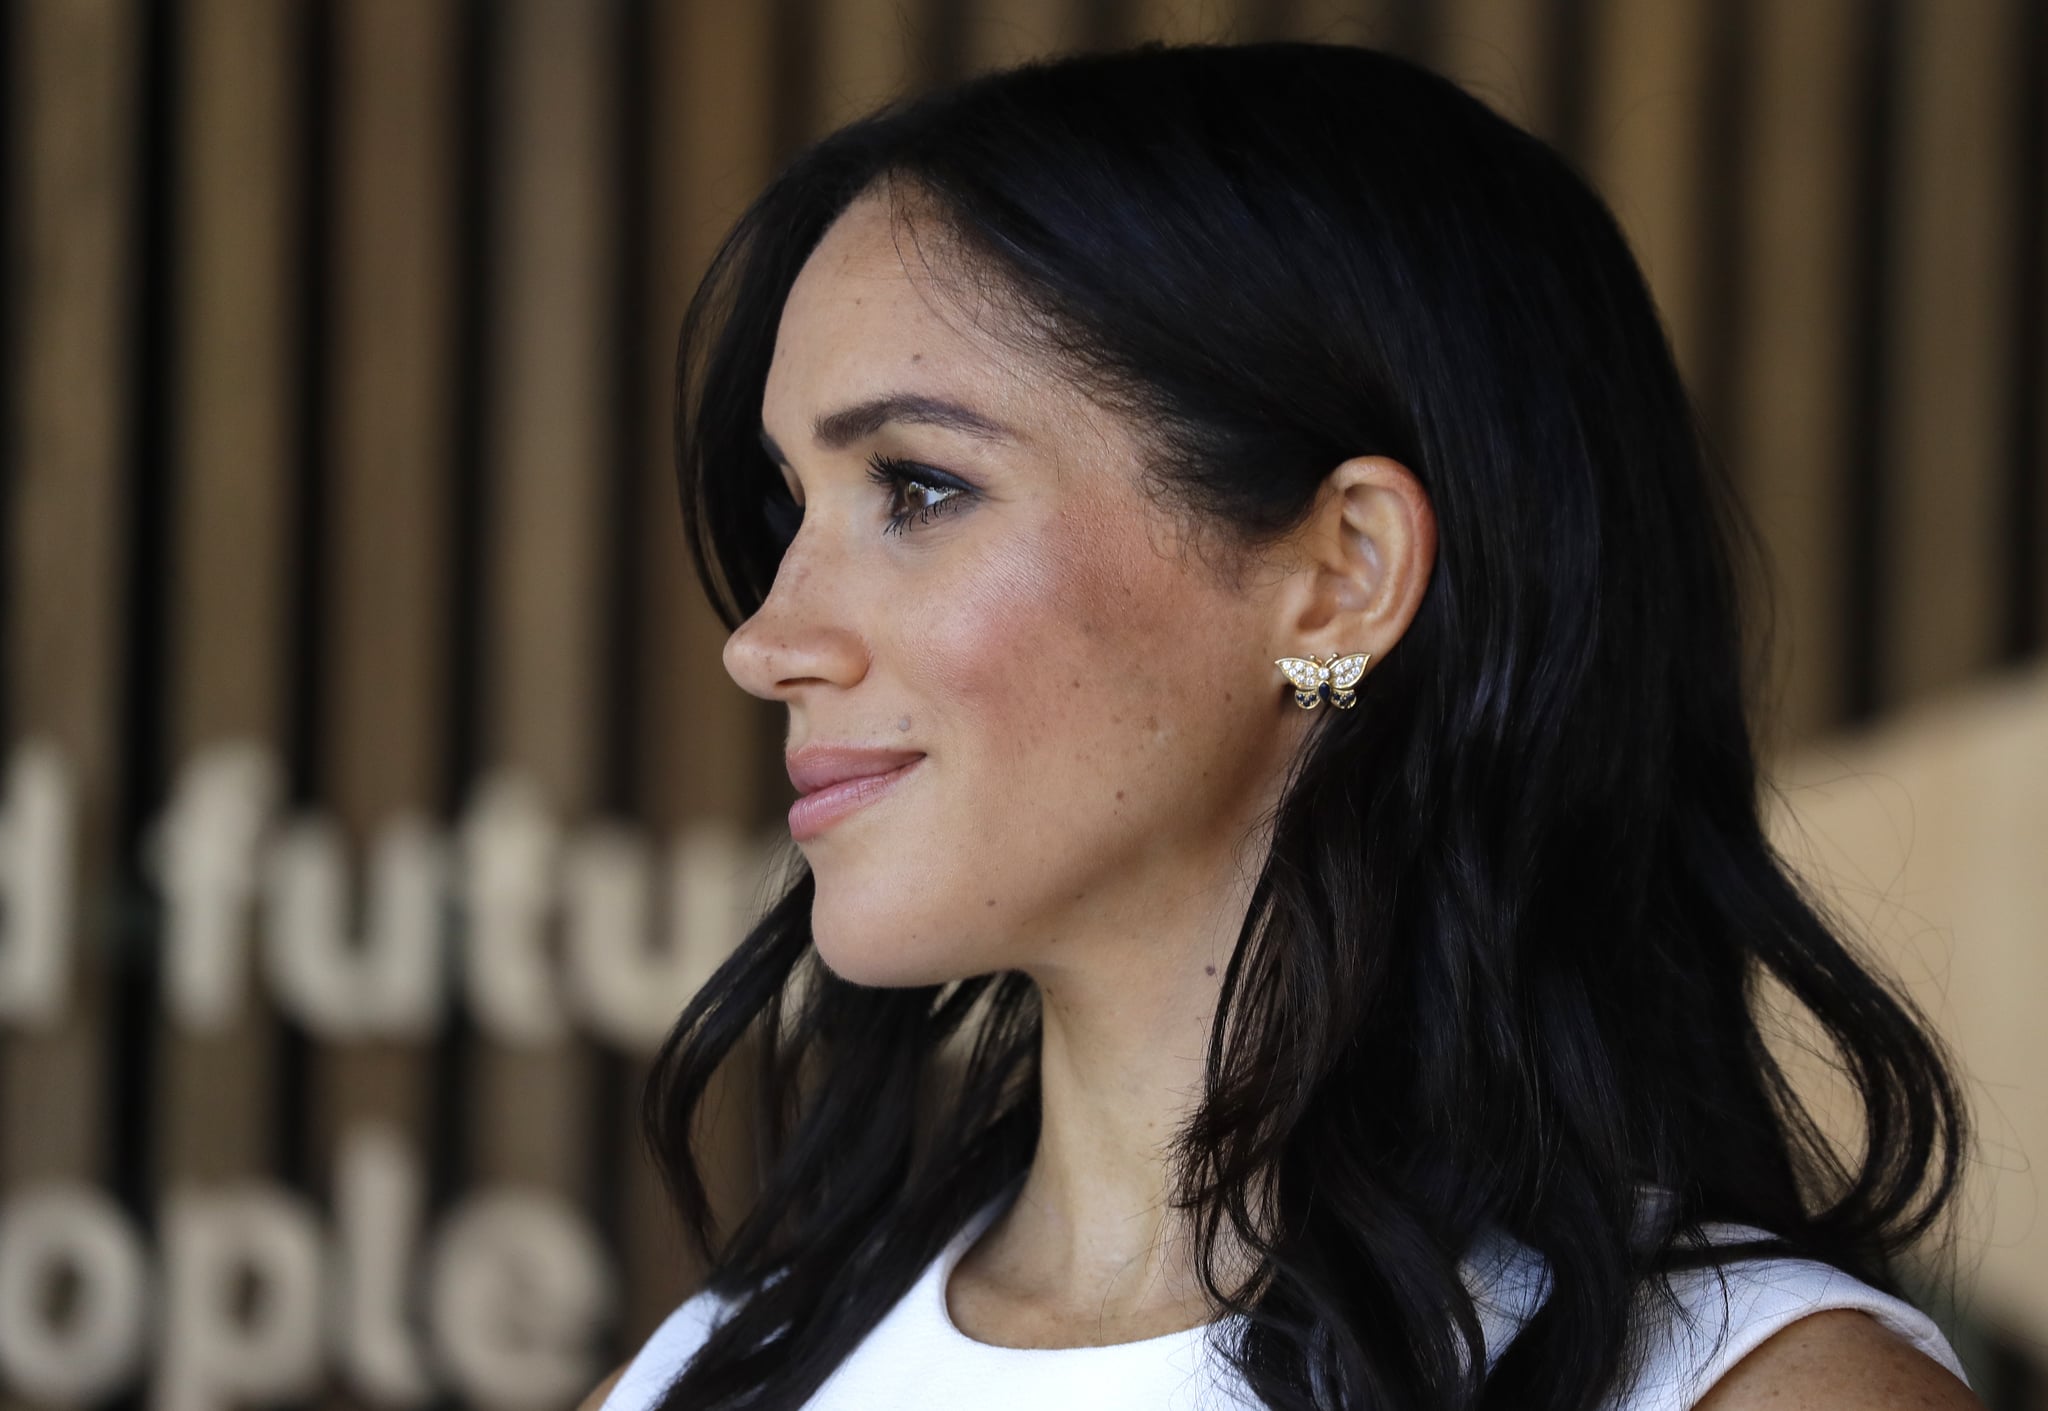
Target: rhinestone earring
x,y
1335,679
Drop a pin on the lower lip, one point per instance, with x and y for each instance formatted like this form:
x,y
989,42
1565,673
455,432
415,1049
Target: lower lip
x,y
814,813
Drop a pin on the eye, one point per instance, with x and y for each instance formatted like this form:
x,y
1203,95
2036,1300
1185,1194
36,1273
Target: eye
x,y
919,493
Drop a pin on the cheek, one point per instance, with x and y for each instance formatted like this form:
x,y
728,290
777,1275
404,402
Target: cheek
x,y
1066,656
1074,688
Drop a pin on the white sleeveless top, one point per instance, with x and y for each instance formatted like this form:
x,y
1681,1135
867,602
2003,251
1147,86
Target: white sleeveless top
x,y
915,1359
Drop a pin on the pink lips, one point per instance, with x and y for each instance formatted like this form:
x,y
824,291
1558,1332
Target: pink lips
x,y
836,780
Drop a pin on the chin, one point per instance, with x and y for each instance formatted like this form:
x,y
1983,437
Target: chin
x,y
882,951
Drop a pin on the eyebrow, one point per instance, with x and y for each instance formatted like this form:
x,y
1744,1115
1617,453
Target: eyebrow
x,y
837,430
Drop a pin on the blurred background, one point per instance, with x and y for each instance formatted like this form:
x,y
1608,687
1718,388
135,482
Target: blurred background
x,y
374,795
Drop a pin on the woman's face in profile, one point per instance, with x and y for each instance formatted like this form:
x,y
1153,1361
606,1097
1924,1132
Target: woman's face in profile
x,y
1096,711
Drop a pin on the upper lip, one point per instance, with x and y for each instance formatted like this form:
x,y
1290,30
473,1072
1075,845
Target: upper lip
x,y
816,767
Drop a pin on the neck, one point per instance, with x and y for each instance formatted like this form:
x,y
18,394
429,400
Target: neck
x,y
1092,1234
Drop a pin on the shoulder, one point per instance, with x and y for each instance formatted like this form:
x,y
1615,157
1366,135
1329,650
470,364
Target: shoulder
x,y
1834,1361
1798,1333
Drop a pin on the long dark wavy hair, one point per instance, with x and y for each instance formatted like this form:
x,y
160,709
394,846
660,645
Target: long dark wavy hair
x,y
1506,960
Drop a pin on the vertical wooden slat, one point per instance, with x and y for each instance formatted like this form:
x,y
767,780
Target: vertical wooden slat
x,y
1791,370
235,393
72,95
714,122
388,486
1183,21
1867,439
1646,104
1498,50
2033,396
544,453
1005,32
1952,305
701,739
864,57
1374,23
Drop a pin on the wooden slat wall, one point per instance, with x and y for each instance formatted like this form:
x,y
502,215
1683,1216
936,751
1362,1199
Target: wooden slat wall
x,y
1372,22
1008,33
397,283
544,458
698,743
235,300
1498,49
1181,21
1643,124
2028,409
1952,300
389,581
711,154
70,97
72,118
1791,384
864,55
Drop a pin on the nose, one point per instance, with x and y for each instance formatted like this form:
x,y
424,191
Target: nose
x,y
799,635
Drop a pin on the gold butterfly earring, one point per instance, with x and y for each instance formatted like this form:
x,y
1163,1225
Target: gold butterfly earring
x,y
1335,679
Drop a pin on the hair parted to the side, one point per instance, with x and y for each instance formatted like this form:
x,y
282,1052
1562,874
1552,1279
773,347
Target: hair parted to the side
x,y
1502,966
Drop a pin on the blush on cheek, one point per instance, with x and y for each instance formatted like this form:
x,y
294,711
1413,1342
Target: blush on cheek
x,y
1056,653
984,662
1065,601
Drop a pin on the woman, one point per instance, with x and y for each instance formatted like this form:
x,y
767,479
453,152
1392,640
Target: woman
x,y
1283,906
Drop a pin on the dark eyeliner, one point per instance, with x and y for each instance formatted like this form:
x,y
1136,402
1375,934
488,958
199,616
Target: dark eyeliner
x,y
898,475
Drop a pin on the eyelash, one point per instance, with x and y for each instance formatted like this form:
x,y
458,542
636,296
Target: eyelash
x,y
894,474
784,514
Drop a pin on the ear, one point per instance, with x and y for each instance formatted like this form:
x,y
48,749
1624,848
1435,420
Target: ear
x,y
1361,562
